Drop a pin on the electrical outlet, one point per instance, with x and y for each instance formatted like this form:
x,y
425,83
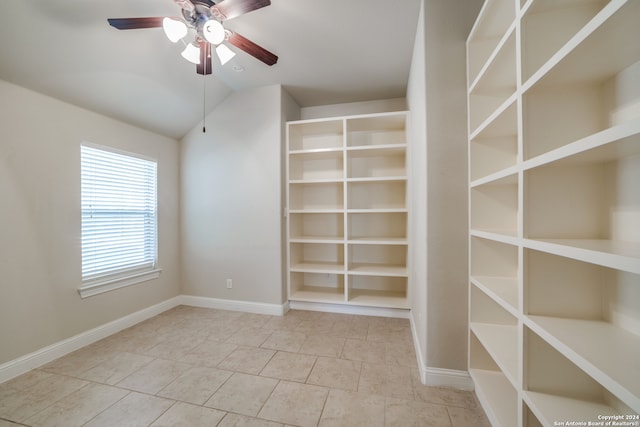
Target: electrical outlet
x,y
229,284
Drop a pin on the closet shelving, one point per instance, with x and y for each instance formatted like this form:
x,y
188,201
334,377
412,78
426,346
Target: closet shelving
x,y
554,246
347,210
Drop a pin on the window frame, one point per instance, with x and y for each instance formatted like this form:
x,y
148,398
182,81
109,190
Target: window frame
x,y
118,278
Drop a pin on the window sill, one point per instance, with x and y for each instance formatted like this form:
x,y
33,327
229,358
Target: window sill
x,y
106,285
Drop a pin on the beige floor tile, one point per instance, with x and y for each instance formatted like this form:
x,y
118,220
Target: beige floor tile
x,y
347,408
350,329
323,345
464,417
187,415
386,380
196,385
365,351
445,396
134,410
175,348
4,423
389,336
402,354
282,323
79,361
314,326
285,340
289,366
20,406
22,382
250,336
335,373
210,353
294,403
154,377
221,330
78,407
407,413
117,368
234,420
248,360
243,394
254,320
130,342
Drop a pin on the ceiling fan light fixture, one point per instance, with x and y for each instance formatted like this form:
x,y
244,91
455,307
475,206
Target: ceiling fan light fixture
x,y
213,31
224,54
174,29
191,53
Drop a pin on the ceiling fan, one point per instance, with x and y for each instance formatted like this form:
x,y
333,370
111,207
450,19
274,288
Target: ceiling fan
x,y
205,18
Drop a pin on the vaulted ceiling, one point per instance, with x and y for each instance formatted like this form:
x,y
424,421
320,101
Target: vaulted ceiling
x,y
330,51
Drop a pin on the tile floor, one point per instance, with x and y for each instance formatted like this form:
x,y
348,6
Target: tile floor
x,y
202,367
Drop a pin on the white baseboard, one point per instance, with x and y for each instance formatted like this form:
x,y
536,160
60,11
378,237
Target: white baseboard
x,y
350,309
40,357
235,305
438,377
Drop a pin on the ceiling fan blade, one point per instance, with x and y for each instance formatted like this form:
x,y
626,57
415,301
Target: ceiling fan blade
x,y
134,23
204,67
252,49
229,9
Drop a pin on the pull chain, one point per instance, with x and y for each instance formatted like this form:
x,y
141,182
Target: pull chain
x,y
204,100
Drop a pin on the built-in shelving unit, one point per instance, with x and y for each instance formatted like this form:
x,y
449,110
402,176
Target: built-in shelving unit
x,y
347,210
554,242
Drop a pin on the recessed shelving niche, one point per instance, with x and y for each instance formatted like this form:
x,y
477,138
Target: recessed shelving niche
x,y
347,211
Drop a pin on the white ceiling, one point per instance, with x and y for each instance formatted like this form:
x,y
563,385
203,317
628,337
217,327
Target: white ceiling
x,y
330,51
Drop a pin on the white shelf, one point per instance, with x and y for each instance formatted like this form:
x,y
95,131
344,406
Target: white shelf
x,y
607,38
316,211
496,177
316,181
316,151
504,290
377,270
377,149
496,85
552,409
494,21
316,239
623,256
503,236
373,298
610,144
501,342
318,294
378,179
497,396
318,267
377,210
609,354
378,241
494,148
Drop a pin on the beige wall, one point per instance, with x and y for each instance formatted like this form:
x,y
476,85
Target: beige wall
x,y
437,100
417,170
40,254
231,215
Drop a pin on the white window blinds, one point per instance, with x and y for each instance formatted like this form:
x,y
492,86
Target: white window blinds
x,y
119,214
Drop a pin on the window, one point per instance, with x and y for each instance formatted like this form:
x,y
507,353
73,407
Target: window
x,y
119,220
